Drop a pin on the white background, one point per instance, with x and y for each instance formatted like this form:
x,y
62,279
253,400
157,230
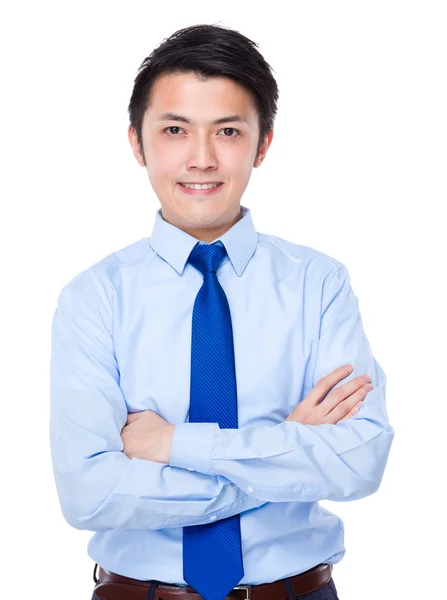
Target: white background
x,y
357,169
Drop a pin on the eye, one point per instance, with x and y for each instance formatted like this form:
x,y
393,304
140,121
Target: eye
x,y
179,128
231,129
171,127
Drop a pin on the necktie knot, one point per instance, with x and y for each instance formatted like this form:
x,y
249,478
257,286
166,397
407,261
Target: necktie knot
x,y
207,257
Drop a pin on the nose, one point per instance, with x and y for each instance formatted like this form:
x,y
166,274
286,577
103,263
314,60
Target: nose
x,y
202,153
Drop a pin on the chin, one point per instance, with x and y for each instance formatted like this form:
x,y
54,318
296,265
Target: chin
x,y
204,220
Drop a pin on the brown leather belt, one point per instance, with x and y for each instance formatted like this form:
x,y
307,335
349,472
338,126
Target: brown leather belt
x,y
112,586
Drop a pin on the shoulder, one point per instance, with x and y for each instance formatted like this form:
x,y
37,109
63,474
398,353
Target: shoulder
x,y
99,280
304,256
107,267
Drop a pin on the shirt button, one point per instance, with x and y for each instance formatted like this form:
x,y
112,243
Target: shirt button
x,y
213,518
250,490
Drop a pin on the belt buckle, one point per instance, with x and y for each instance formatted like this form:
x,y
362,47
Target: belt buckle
x,y
247,589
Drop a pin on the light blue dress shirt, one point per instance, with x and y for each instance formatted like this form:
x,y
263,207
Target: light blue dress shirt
x,y
121,343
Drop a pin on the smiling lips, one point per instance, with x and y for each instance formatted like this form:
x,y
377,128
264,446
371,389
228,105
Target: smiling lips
x,y
203,189
204,185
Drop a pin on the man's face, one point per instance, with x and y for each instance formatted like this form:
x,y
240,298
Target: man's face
x,y
177,152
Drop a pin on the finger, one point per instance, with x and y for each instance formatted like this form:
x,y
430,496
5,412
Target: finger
x,y
131,417
326,383
344,407
353,411
344,391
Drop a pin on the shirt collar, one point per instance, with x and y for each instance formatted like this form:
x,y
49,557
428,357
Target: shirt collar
x,y
174,245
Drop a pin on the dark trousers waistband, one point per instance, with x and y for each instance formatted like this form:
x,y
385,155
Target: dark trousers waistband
x,y
111,586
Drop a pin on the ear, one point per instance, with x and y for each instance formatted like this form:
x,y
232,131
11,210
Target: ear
x,y
264,147
133,140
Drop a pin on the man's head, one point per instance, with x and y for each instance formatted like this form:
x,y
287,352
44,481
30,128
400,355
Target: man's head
x,y
202,74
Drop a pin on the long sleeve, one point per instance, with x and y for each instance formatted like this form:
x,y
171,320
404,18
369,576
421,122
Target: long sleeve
x,y
99,487
295,462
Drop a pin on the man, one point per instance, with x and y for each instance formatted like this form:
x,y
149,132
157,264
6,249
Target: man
x,y
209,383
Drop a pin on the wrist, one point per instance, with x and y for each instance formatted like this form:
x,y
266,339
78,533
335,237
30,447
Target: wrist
x,y
169,437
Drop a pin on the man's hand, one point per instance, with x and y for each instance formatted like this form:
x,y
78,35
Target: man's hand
x,y
342,403
148,436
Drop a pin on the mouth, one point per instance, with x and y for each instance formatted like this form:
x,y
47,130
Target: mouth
x,y
201,192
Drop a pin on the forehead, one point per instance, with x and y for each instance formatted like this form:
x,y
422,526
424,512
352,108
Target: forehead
x,y
201,101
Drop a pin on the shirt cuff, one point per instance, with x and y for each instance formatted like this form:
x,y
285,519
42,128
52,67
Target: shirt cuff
x,y
192,446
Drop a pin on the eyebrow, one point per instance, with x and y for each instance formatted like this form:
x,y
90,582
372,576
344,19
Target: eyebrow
x,y
169,116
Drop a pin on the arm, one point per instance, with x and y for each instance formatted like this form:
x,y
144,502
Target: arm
x,y
296,462
99,487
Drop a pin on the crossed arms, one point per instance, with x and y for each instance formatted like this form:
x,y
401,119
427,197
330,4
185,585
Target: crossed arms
x,y
208,471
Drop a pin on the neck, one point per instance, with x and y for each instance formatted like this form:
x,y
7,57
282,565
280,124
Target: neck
x,y
209,234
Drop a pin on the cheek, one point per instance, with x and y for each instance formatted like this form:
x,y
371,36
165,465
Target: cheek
x,y
164,166
238,167
238,159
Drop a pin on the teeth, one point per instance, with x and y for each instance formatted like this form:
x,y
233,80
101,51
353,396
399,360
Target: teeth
x,y
196,186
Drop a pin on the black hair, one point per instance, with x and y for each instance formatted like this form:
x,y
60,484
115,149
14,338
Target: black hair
x,y
207,51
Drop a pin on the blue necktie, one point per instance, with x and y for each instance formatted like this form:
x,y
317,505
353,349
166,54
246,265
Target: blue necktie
x,y
212,553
